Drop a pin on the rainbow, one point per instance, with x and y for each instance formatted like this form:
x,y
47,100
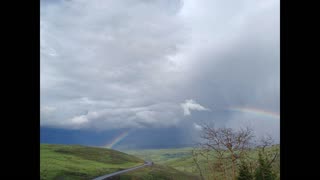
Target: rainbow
x,y
256,111
117,139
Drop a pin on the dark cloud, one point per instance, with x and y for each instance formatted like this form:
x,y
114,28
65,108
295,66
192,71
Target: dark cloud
x,y
131,64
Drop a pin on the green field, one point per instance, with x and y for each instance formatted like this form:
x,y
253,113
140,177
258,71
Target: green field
x,y
80,162
158,172
181,158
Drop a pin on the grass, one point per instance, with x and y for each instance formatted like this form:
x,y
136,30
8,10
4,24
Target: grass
x,y
81,162
181,158
158,172
162,156
75,162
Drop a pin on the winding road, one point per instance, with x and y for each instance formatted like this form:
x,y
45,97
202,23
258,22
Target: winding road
x,y
147,163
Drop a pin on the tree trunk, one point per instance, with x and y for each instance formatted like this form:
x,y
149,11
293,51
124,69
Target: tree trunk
x,y
233,170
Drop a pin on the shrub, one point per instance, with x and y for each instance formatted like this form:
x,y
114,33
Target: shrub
x,y
244,172
264,170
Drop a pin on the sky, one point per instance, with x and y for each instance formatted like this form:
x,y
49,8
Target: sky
x,y
158,67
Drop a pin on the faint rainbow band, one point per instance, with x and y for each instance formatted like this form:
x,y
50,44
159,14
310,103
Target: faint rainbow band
x,y
118,139
256,111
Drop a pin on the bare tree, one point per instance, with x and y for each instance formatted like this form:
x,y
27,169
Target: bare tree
x,y
195,157
207,155
220,165
228,143
271,155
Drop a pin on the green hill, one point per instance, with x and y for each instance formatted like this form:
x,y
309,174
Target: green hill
x,y
181,158
81,162
158,172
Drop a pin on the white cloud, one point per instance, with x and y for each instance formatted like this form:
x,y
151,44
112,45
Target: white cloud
x,y
197,126
102,115
190,104
79,119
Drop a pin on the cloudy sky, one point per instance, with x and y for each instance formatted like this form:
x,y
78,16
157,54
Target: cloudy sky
x,y
159,64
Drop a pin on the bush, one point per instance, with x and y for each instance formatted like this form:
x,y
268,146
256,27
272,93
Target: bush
x,y
244,172
264,170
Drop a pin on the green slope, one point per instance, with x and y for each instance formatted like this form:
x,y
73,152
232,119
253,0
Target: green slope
x,y
181,158
158,172
81,162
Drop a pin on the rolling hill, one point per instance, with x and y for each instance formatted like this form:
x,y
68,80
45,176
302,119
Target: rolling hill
x,y
158,172
81,162
181,158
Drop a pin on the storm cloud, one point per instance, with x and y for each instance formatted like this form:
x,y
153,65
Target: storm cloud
x,y
151,63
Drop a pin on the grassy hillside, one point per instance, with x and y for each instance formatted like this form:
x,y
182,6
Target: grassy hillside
x,y
158,172
181,158
81,162
161,155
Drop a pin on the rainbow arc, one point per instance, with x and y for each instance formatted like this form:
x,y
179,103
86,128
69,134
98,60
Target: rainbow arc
x,y
256,111
117,139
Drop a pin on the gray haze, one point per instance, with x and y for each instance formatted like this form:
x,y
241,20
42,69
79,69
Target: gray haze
x,y
108,64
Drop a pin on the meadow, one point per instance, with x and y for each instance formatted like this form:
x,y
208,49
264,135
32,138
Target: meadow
x,y
181,159
158,172
81,162
75,162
